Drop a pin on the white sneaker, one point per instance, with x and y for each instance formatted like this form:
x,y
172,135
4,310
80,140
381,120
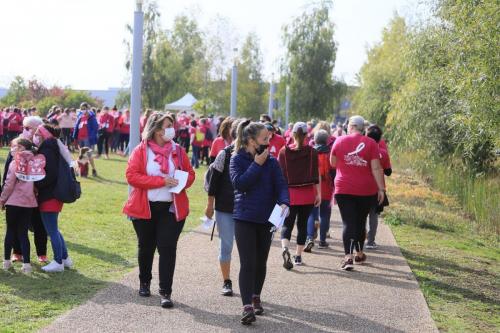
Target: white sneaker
x,y
26,269
7,264
68,263
53,267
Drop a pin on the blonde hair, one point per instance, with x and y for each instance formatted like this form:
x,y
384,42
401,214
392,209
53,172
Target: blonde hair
x,y
322,125
155,123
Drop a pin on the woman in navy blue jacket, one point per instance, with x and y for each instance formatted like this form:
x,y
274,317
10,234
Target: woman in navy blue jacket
x,y
258,185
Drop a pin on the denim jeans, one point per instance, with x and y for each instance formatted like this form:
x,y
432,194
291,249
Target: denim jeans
x,y
196,156
225,228
323,213
56,239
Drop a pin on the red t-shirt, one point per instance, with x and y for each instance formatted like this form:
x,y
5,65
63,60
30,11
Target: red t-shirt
x,y
124,125
324,172
382,144
354,154
275,144
83,131
107,122
218,144
302,195
385,159
15,122
51,206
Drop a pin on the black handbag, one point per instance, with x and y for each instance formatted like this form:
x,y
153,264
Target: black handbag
x,y
385,203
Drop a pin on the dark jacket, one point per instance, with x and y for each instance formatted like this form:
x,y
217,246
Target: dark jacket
x,y
220,185
46,186
92,126
6,167
257,189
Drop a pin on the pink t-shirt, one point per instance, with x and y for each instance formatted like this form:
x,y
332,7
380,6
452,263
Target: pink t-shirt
x,y
354,154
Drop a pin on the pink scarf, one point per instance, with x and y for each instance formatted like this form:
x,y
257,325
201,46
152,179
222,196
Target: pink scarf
x,y
162,154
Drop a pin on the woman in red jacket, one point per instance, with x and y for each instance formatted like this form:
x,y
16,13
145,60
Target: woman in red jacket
x,y
157,214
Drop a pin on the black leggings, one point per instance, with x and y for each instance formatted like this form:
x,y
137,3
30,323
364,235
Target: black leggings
x,y
39,234
103,143
254,242
160,232
301,214
354,210
18,220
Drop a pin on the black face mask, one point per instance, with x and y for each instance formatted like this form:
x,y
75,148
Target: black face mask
x,y
261,149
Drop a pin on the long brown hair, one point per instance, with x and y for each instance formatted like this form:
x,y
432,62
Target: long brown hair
x,y
247,130
155,123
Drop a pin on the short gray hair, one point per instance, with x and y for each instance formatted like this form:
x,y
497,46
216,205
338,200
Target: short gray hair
x,y
32,121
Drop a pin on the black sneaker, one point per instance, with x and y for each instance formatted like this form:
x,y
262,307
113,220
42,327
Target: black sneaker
x,y
248,316
227,288
166,301
257,305
287,261
297,260
309,246
323,245
144,289
347,265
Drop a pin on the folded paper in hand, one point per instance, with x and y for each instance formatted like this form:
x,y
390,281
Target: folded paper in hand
x,y
277,216
182,177
207,223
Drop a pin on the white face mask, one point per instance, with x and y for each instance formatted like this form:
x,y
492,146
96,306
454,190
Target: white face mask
x,y
27,134
36,140
13,150
169,134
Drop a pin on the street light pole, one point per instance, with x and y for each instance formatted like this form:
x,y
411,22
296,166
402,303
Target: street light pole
x,y
234,87
271,98
287,105
135,91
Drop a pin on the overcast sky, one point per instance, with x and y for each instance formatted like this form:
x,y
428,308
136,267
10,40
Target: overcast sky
x,y
79,43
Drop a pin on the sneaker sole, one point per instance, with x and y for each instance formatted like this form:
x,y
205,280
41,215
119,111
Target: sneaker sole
x,y
227,294
347,268
309,247
248,320
259,312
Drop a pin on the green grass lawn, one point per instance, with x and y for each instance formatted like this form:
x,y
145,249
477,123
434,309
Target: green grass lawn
x,y
100,240
457,269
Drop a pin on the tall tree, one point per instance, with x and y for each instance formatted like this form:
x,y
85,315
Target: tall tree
x,y
310,58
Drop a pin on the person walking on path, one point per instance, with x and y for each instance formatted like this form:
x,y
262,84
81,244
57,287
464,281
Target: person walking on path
x,y
299,163
375,133
258,186
157,214
324,211
18,199
46,138
359,184
221,200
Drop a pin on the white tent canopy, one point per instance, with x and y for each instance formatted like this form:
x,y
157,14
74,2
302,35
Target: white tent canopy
x,y
184,104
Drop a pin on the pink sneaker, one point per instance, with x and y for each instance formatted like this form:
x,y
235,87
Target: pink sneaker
x,y
43,259
16,257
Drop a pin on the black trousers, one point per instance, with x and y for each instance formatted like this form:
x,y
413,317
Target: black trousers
x,y
301,214
254,242
18,220
354,210
160,233
103,143
39,233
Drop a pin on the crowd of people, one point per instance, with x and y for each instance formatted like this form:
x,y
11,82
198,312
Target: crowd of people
x,y
253,166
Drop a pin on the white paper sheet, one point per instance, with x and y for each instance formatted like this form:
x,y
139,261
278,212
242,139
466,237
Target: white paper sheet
x,y
182,177
207,223
276,218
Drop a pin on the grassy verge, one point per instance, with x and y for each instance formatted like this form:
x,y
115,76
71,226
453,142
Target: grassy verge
x,y
100,240
458,269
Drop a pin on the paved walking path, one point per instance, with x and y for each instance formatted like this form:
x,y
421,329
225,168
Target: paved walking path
x,y
379,296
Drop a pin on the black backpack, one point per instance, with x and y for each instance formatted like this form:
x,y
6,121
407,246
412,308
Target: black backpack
x,y
67,189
